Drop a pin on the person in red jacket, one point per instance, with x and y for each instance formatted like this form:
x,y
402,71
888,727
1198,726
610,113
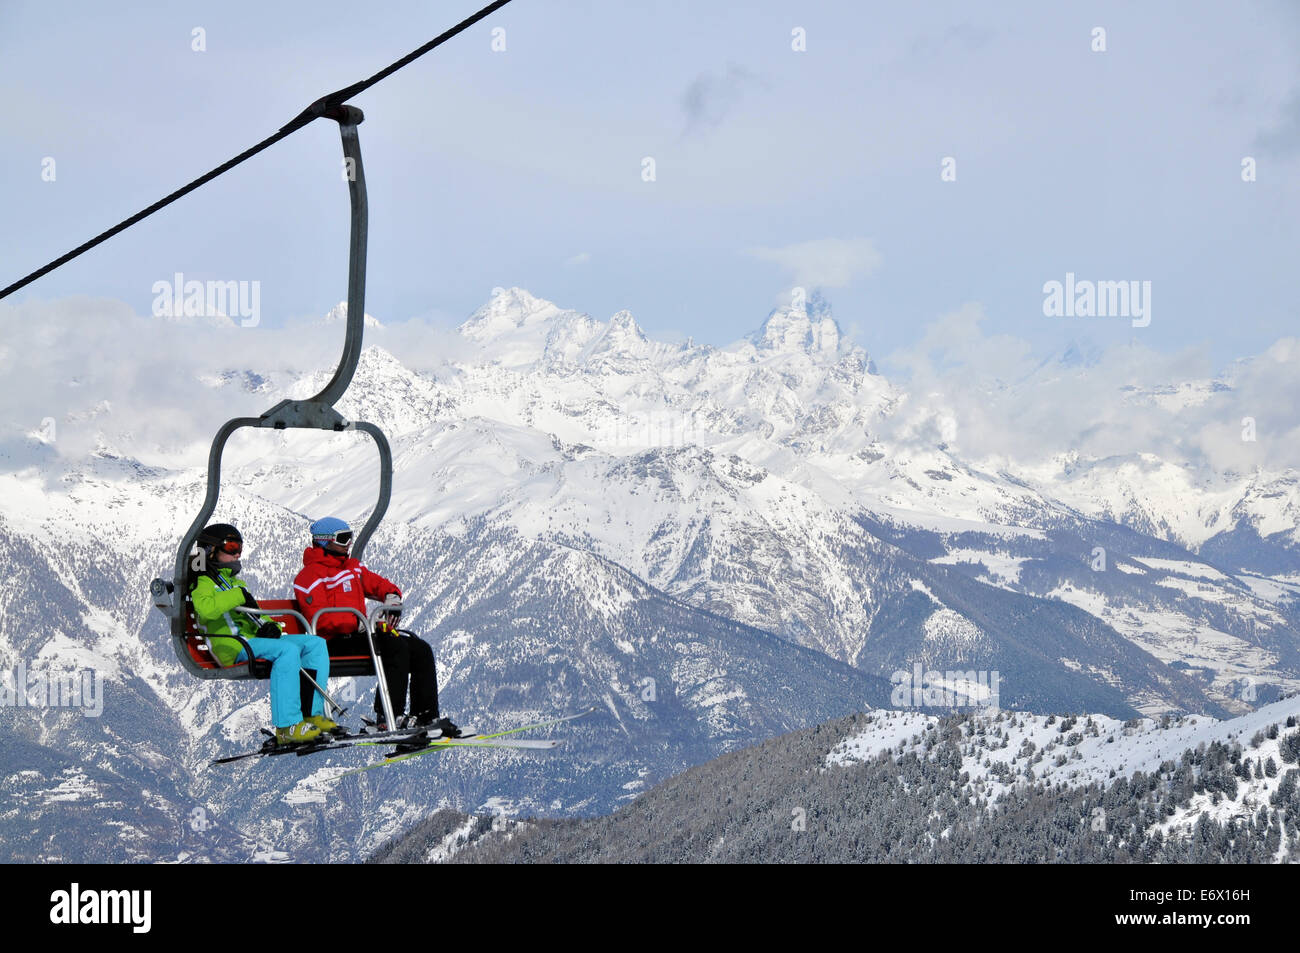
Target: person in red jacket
x,y
331,578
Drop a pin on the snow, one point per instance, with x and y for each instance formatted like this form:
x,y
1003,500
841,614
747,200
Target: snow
x,y
1191,587
62,654
502,806
452,843
314,788
1004,568
1105,749
886,730
242,725
729,477
1271,590
74,786
265,854
339,315
570,429
951,525
1200,570
719,698
950,635
1177,637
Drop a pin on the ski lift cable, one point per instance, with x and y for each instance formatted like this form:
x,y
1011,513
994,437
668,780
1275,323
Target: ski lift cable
x,y
321,107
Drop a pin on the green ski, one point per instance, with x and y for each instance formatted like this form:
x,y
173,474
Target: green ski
x,y
495,740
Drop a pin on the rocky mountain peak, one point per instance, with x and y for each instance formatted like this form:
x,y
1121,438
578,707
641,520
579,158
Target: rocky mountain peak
x,y
339,313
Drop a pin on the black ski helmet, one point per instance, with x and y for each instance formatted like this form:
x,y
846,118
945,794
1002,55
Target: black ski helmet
x,y
210,537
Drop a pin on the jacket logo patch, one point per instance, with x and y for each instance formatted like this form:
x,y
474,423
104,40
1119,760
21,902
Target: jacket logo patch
x,y
347,587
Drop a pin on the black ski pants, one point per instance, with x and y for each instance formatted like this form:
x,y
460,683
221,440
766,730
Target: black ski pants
x,y
407,658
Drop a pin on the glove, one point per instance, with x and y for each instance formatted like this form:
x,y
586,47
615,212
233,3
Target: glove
x,y
268,630
250,601
387,622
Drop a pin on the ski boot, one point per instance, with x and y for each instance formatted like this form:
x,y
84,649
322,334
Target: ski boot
x,y
300,733
327,725
446,726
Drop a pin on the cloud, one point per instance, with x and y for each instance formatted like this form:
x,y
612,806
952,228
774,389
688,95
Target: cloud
x,y
993,400
149,387
86,363
1283,137
84,374
153,387
824,262
579,259
710,97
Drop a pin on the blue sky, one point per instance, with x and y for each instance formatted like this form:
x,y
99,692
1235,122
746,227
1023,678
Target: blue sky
x,y
774,167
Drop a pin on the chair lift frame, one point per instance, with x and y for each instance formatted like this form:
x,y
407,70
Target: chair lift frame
x,y
315,413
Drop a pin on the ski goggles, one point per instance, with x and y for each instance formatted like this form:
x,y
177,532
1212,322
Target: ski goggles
x,y
343,537
232,546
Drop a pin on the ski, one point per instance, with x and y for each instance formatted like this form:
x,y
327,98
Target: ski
x,y
337,742
539,724
405,737
524,744
494,740
515,744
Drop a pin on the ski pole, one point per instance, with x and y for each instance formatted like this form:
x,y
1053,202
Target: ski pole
x,y
323,694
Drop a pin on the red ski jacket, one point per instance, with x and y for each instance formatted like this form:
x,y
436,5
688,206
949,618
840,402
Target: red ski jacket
x,y
329,580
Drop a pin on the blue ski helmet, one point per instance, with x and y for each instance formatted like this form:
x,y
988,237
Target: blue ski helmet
x,y
331,529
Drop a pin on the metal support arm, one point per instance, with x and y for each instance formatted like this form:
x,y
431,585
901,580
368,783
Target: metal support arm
x,y
316,413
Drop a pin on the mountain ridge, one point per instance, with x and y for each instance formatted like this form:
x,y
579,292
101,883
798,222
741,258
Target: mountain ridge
x,y
565,490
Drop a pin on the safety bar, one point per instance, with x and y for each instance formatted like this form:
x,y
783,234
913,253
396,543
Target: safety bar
x,y
306,627
247,649
374,654
326,611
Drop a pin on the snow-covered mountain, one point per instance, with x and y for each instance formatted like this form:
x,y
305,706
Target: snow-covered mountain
x,y
1010,751
916,786
764,533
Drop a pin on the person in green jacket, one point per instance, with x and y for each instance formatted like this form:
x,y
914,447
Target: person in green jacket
x,y
216,593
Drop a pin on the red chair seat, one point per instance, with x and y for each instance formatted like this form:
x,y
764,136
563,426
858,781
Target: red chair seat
x,y
341,666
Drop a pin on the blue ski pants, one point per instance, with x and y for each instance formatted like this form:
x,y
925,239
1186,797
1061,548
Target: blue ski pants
x,y
288,654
